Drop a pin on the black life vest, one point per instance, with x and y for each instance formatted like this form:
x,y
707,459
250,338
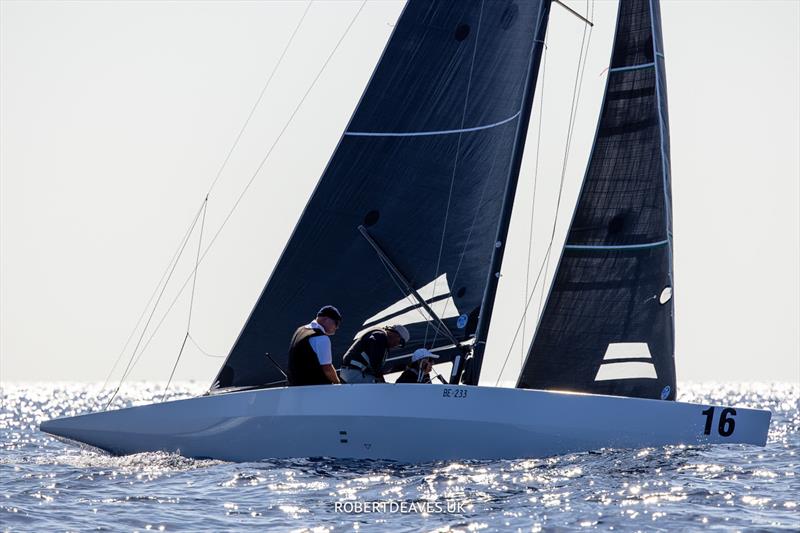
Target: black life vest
x,y
368,353
304,367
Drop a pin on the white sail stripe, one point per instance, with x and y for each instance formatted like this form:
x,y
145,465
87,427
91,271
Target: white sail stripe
x,y
424,133
659,54
627,370
632,67
406,311
615,247
413,316
437,287
625,350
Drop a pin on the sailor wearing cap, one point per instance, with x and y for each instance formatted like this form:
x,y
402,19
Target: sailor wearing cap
x,y
363,362
419,369
310,359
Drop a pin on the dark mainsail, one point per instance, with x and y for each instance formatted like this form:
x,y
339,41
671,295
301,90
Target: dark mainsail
x,y
424,166
607,326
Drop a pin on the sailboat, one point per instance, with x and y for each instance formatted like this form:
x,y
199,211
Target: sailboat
x,y
408,223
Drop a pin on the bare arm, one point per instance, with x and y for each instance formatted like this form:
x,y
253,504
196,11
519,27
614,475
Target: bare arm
x,y
322,347
330,373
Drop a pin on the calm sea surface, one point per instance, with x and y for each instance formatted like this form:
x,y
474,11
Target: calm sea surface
x,y
48,485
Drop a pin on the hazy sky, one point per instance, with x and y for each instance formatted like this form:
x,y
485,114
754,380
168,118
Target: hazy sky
x,y
116,116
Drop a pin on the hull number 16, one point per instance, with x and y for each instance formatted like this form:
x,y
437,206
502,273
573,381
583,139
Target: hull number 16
x,y
726,422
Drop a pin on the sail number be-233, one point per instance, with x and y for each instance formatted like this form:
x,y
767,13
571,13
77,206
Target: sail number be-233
x,y
726,423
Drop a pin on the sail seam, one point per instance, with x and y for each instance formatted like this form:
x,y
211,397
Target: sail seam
x,y
633,67
615,246
425,133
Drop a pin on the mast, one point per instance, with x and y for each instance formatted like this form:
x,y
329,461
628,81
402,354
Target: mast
x,y
493,278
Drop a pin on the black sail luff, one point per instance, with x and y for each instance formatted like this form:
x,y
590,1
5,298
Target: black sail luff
x,y
424,165
607,326
490,292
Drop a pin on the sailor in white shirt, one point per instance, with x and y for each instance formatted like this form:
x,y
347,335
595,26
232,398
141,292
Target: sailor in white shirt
x,y
310,358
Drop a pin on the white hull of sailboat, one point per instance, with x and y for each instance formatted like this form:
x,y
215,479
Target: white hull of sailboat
x,y
408,423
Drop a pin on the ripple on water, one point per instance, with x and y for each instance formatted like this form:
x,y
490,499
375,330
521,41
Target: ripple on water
x,y
47,484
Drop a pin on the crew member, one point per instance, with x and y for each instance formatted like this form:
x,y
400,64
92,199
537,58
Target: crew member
x,y
310,359
419,369
363,362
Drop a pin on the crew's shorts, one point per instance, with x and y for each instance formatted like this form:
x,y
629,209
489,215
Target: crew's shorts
x,y
353,375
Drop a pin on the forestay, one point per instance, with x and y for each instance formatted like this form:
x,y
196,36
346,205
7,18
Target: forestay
x,y
424,166
607,326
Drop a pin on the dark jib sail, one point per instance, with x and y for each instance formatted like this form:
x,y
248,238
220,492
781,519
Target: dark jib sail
x,y
607,326
422,170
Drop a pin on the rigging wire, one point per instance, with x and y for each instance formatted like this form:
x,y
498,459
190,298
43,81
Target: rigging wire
x,y
182,243
155,306
253,177
533,198
175,256
576,92
527,304
191,300
260,96
455,161
282,131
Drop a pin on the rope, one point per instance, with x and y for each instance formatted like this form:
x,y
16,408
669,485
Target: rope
x,y
202,351
191,300
455,163
252,179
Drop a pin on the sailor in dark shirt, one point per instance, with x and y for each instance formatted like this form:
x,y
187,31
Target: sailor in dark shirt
x,y
310,358
363,362
419,369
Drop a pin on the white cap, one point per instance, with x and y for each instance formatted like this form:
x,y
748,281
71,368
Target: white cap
x,y
402,331
422,353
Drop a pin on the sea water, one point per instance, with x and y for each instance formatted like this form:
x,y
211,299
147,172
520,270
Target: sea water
x,y
49,485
